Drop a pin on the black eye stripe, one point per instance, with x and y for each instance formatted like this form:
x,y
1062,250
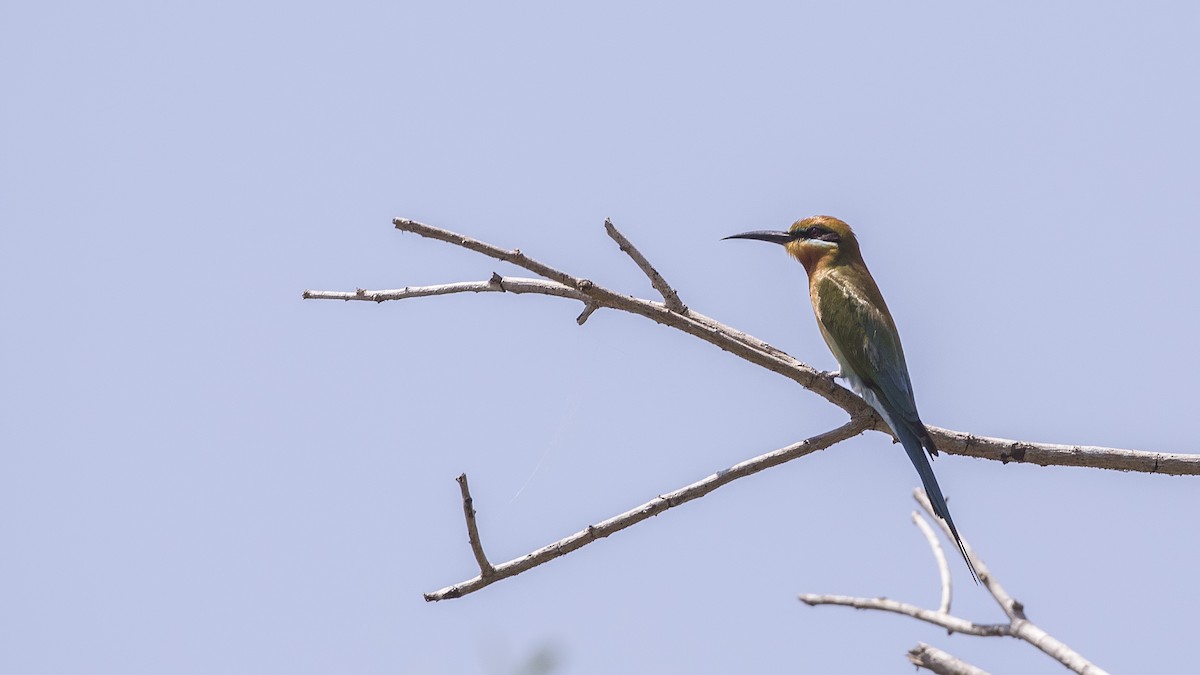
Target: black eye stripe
x,y
817,232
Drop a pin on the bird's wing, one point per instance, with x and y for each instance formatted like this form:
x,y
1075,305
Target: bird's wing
x,y
854,315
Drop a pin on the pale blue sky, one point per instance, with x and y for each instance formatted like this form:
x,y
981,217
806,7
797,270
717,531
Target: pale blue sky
x,y
203,473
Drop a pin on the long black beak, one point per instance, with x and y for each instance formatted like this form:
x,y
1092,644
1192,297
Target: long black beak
x,y
764,235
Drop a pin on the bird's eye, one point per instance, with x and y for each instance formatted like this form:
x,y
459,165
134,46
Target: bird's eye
x,y
817,232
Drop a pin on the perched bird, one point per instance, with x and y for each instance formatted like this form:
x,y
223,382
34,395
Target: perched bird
x,y
859,330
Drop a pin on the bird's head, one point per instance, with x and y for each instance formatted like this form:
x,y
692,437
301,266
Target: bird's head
x,y
813,241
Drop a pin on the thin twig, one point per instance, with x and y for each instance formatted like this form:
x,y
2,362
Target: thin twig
x,y
938,661
485,567
497,284
950,622
940,556
1012,608
514,256
669,296
653,508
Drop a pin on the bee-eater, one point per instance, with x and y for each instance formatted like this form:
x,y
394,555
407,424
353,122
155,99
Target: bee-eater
x,y
856,324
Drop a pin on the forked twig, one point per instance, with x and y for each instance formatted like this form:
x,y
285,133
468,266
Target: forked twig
x,y
734,341
650,509
1019,626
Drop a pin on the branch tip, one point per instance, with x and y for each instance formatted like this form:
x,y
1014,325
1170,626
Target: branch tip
x,y
939,556
940,662
669,296
588,309
468,504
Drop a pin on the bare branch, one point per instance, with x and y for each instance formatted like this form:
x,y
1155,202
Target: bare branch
x,y
938,661
653,508
1052,454
939,555
497,284
669,296
485,567
951,623
762,354
1019,625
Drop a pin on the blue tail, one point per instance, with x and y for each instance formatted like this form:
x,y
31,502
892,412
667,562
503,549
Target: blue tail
x,y
913,437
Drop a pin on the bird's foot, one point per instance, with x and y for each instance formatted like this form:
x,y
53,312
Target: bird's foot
x,y
831,374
